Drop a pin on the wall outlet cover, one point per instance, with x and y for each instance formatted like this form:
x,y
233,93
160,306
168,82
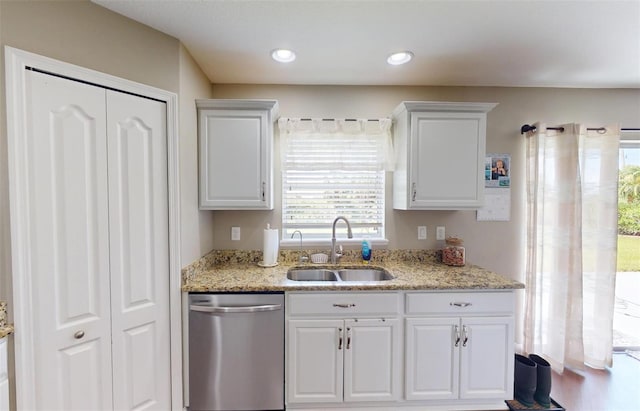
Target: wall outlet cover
x,y
440,233
235,233
422,232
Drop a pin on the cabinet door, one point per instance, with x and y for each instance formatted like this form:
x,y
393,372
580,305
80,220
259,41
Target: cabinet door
x,y
235,159
372,360
68,250
315,360
447,160
486,367
432,358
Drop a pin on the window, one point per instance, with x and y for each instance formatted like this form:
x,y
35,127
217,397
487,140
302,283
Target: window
x,y
334,168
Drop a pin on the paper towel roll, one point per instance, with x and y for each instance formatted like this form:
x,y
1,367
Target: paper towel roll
x,y
270,244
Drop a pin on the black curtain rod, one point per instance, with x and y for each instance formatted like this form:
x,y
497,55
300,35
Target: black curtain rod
x,y
527,127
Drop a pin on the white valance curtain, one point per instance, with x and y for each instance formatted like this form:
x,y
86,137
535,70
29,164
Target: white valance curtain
x,y
333,143
571,244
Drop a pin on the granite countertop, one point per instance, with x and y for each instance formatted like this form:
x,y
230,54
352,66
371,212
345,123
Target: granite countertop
x,y
224,271
6,330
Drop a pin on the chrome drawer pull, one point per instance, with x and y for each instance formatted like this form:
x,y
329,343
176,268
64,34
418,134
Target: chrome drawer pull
x,y
78,334
344,305
460,304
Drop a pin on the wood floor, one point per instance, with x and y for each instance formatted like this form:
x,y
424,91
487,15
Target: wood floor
x,y
615,389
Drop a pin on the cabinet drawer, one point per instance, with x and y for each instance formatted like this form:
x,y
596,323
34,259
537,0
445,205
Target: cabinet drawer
x,y
460,303
346,304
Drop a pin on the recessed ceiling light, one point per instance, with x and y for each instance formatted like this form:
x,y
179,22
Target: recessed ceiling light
x,y
400,58
283,55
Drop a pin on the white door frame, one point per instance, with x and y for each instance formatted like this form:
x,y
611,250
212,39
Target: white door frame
x,y
16,62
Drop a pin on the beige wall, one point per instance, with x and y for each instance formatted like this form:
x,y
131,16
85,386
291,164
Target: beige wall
x,y
494,245
197,232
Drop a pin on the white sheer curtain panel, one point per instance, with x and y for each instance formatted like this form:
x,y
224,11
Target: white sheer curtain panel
x,y
572,207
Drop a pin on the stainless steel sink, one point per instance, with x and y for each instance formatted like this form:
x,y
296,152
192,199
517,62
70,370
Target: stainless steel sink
x,y
340,275
311,275
357,274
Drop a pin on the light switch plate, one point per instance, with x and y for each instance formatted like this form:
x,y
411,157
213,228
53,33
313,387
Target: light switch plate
x,y
422,232
235,233
440,233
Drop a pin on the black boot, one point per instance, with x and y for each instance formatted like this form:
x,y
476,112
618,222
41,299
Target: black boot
x,y
524,380
543,386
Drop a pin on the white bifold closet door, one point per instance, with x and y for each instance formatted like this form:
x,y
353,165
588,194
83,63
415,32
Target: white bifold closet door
x,y
99,261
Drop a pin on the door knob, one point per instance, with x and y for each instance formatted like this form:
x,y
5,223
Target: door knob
x,y
78,334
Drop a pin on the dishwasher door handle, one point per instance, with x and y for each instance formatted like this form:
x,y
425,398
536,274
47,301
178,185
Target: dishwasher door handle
x,y
235,309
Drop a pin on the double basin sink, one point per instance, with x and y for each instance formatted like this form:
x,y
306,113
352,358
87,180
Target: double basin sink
x,y
339,274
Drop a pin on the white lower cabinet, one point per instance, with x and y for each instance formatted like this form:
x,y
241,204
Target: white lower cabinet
x,y
4,376
459,348
445,350
316,360
342,360
451,358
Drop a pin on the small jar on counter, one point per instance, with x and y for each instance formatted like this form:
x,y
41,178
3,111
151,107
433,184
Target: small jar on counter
x,y
453,252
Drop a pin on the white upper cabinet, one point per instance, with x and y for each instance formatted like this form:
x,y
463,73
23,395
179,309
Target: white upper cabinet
x,y
440,150
236,154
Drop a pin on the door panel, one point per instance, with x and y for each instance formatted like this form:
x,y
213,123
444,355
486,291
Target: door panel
x,y
79,366
315,360
140,349
67,208
138,226
372,360
487,358
432,358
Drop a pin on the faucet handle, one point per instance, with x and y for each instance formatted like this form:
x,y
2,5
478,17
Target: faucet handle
x,y
339,253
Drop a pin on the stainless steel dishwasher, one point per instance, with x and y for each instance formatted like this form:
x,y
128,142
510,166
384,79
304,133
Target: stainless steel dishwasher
x,y
236,352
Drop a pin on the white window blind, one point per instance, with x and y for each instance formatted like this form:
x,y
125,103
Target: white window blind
x,y
334,168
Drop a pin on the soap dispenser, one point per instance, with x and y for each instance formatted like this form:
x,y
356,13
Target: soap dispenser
x,y
366,251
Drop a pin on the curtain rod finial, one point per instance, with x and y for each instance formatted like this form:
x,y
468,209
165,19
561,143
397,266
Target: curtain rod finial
x,y
525,128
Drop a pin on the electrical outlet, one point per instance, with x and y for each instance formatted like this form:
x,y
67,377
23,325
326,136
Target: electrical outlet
x,y
422,232
235,233
440,233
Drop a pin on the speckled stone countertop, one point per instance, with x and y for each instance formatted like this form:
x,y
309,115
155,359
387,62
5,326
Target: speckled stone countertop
x,y
225,271
6,330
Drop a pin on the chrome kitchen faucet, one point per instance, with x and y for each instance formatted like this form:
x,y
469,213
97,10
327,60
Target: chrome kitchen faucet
x,y
334,256
301,258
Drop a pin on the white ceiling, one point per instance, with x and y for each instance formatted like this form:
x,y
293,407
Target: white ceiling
x,y
543,43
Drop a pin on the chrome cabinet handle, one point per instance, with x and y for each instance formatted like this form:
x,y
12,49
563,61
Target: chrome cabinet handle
x,y
348,338
457,331
78,335
460,304
264,185
465,336
242,309
339,338
344,305
413,188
